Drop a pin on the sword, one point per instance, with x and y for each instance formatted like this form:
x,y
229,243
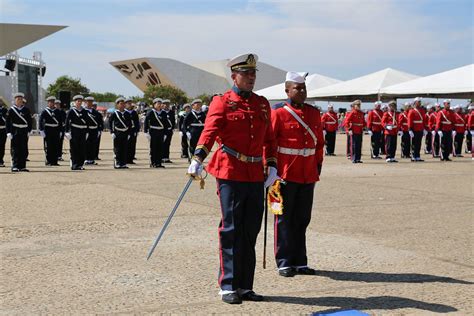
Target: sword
x,y
265,229
169,217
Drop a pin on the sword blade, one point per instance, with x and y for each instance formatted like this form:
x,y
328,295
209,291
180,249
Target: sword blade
x,y
152,249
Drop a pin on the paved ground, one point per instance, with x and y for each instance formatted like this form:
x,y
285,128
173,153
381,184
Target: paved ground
x,y
386,239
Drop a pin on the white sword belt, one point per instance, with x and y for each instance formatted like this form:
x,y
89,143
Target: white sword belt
x,y
445,122
121,129
376,123
78,126
305,152
2,126
20,125
417,121
458,124
330,122
92,127
197,124
51,124
357,124
156,127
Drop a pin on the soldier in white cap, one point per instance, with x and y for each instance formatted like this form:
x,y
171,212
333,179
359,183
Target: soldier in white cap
x,y
18,126
77,122
470,129
50,128
154,128
93,131
182,131
170,117
132,142
100,120
3,131
61,116
375,130
194,124
120,126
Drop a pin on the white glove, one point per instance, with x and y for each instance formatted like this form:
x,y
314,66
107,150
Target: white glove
x,y
400,133
188,135
87,136
425,132
350,133
98,134
10,136
411,134
472,133
389,127
147,135
135,134
195,168
113,136
324,133
272,176
453,133
433,133
370,133
61,134
465,133
165,137
43,134
68,136
30,133
180,133
440,133
128,137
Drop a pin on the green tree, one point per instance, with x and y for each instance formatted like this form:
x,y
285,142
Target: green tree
x,y
104,97
206,98
175,95
66,83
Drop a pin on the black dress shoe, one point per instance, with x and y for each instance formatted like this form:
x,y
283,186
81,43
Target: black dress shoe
x,y
252,296
159,166
231,298
2,165
24,170
287,273
15,170
306,271
60,159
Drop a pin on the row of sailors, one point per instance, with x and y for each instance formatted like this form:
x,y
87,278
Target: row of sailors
x,y
444,130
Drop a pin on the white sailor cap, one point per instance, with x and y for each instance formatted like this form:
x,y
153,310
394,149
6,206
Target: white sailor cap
x,y
187,105
128,100
156,100
204,107
77,97
243,62
418,99
393,102
447,101
330,106
57,101
384,106
18,95
356,102
196,101
51,98
457,106
120,99
407,104
298,77
89,98
166,101
378,103
471,107
429,106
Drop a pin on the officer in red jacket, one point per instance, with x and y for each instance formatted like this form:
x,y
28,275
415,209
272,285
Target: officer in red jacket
x,y
330,124
460,129
429,128
470,130
390,125
298,131
355,126
444,128
240,122
435,147
375,130
416,128
405,142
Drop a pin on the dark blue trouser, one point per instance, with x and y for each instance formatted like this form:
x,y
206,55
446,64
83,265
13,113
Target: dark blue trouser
x,y
376,143
416,144
242,211
446,145
290,228
390,146
356,147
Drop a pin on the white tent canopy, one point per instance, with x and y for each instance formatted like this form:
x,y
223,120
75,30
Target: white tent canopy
x,y
277,92
455,83
367,87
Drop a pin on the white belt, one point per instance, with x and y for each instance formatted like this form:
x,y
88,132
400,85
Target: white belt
x,y
156,127
417,121
376,123
446,122
92,127
51,125
458,124
78,126
357,124
2,126
121,129
197,124
404,123
305,152
330,122
20,125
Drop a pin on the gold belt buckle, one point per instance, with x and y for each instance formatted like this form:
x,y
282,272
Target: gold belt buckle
x,y
242,157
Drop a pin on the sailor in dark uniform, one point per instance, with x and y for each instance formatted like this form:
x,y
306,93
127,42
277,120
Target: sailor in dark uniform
x,y
50,128
154,128
120,125
132,143
18,126
61,117
182,131
100,120
77,121
194,124
92,131
170,117
3,132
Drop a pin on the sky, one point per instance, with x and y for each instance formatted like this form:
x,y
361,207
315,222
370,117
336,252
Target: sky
x,y
343,39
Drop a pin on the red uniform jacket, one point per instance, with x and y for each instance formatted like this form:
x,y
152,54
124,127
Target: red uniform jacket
x,y
298,154
390,119
403,122
445,120
417,120
355,122
374,120
470,121
329,121
460,123
244,126
431,117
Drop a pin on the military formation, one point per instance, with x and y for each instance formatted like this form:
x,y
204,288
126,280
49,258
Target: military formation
x,y
261,149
